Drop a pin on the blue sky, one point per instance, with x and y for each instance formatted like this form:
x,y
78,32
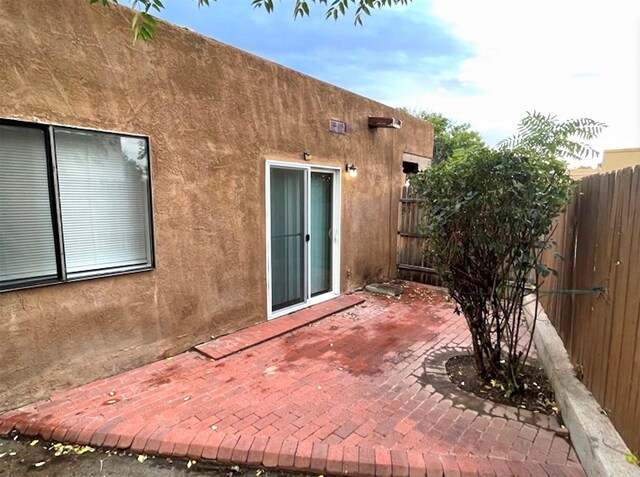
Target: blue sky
x,y
485,63
364,59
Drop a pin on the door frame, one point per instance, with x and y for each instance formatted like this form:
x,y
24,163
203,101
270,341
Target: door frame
x,y
336,217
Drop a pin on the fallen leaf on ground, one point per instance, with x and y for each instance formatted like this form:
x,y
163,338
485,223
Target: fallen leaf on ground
x,y
34,442
62,449
40,464
142,458
632,458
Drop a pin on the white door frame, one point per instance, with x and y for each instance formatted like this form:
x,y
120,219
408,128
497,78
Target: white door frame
x,y
335,255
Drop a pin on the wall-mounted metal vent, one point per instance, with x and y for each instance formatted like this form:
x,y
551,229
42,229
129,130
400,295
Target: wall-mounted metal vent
x,y
337,127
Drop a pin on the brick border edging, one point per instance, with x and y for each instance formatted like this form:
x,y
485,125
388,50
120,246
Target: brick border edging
x,y
598,445
285,454
434,367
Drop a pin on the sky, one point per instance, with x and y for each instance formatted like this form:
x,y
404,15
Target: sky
x,y
485,63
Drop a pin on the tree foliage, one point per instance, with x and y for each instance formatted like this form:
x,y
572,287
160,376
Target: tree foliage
x,y
489,217
449,136
546,134
486,212
144,25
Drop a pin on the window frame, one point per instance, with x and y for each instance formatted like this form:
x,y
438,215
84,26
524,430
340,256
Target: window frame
x,y
56,212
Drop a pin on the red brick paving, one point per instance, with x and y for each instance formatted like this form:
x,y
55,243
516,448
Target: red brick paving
x,y
342,395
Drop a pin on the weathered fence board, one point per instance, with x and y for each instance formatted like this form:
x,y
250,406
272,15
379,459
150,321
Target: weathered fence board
x,y
411,261
599,238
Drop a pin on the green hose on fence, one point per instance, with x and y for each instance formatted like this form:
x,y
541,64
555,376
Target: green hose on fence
x,y
575,291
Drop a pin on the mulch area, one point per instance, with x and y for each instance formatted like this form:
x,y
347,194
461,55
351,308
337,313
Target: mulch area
x,y
535,393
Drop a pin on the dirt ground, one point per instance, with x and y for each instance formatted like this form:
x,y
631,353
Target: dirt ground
x,y
536,393
100,463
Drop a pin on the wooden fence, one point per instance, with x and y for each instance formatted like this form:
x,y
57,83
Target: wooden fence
x,y
411,262
594,303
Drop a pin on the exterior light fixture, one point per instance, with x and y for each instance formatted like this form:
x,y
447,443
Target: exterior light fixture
x,y
306,155
352,170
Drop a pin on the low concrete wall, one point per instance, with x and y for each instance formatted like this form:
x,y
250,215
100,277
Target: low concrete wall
x,y
214,115
598,445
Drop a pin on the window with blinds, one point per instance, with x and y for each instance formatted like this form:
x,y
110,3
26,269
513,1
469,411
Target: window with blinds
x,y
103,181
27,246
97,222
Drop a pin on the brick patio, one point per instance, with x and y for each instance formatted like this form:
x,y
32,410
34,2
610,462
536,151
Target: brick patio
x,y
359,392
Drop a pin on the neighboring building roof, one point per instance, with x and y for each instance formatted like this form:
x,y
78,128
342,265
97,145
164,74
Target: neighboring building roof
x,y
612,160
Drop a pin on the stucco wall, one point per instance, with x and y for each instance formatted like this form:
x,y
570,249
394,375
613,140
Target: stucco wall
x,y
614,159
214,114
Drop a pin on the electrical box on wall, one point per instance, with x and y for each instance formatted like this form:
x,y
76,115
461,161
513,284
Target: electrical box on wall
x,y
337,127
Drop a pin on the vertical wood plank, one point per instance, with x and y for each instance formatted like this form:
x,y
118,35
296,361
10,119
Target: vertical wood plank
x,y
629,375
618,290
600,242
604,249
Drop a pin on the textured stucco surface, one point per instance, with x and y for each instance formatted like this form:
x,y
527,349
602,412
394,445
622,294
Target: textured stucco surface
x,y
214,115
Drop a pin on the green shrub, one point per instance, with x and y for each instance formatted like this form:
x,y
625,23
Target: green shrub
x,y
488,218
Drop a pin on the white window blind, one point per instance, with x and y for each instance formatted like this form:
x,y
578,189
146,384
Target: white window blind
x,y
103,183
27,247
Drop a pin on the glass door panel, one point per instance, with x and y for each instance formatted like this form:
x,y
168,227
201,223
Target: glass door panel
x,y
287,237
321,217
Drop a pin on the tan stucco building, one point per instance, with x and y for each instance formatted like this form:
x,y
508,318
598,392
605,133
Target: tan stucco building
x,y
612,160
159,194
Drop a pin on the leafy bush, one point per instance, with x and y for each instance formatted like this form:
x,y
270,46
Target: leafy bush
x,y
488,218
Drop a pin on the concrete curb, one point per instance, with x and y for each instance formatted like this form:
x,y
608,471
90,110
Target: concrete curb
x,y
598,445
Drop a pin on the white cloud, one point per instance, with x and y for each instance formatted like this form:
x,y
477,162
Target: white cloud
x,y
571,58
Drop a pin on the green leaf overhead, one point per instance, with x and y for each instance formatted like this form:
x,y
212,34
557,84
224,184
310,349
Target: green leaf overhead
x,y
144,26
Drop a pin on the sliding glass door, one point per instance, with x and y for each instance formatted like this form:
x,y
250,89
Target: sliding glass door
x,y
321,219
302,228
288,234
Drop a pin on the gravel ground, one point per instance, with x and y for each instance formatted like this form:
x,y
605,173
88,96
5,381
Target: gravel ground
x,y
20,458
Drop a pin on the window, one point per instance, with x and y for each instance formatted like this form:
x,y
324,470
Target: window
x,y
73,204
27,242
